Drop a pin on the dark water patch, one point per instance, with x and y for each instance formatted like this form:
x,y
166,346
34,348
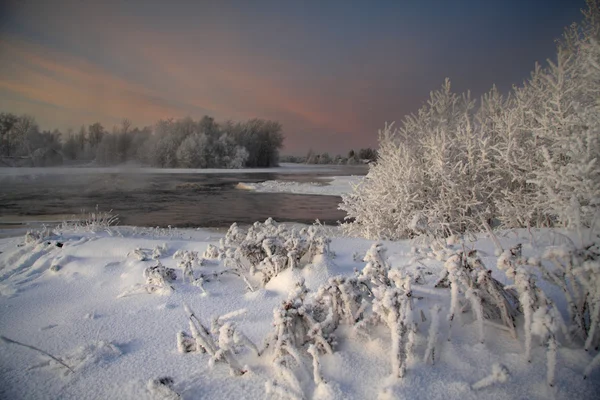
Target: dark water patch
x,y
162,199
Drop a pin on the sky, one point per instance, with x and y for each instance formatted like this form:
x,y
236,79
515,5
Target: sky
x,y
332,72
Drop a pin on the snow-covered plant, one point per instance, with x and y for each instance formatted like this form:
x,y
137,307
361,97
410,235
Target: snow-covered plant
x,y
577,272
546,324
211,252
431,175
296,328
591,366
158,277
394,308
11,341
341,300
162,388
269,248
434,330
541,317
377,268
38,235
140,254
221,342
187,261
159,251
528,159
100,221
487,298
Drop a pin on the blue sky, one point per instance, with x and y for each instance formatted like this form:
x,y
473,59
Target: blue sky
x,y
332,72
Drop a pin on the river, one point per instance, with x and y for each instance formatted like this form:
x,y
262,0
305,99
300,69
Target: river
x,y
154,197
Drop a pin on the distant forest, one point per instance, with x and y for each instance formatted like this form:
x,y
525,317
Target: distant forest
x,y
182,143
363,156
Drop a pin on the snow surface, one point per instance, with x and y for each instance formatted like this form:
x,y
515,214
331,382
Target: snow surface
x,y
327,186
68,302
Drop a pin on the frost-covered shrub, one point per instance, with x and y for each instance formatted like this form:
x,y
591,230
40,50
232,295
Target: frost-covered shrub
x,y
295,328
393,306
37,236
158,277
268,248
221,342
541,317
576,270
341,300
530,159
431,175
487,298
140,254
211,252
187,261
307,322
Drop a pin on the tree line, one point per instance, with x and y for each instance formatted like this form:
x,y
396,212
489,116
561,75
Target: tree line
x,y
170,143
363,156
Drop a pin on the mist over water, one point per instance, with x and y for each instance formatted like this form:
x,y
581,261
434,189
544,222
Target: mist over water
x,y
161,198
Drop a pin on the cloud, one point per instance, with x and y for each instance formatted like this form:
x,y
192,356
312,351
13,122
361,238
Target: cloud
x,y
30,72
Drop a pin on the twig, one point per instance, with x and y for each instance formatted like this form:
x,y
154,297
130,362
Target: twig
x,y
7,340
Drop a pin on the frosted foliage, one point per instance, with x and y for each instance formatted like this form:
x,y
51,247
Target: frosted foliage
x,y
488,299
221,342
194,151
528,159
267,249
158,277
430,176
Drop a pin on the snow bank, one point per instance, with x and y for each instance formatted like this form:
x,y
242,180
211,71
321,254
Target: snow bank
x,y
126,347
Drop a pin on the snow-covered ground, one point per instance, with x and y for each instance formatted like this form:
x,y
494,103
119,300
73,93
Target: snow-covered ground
x,y
328,186
76,296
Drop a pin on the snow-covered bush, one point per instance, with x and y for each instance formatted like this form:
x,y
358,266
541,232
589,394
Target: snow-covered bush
x,y
220,342
393,306
187,261
37,236
296,328
268,248
487,298
431,175
531,159
307,322
158,277
576,270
